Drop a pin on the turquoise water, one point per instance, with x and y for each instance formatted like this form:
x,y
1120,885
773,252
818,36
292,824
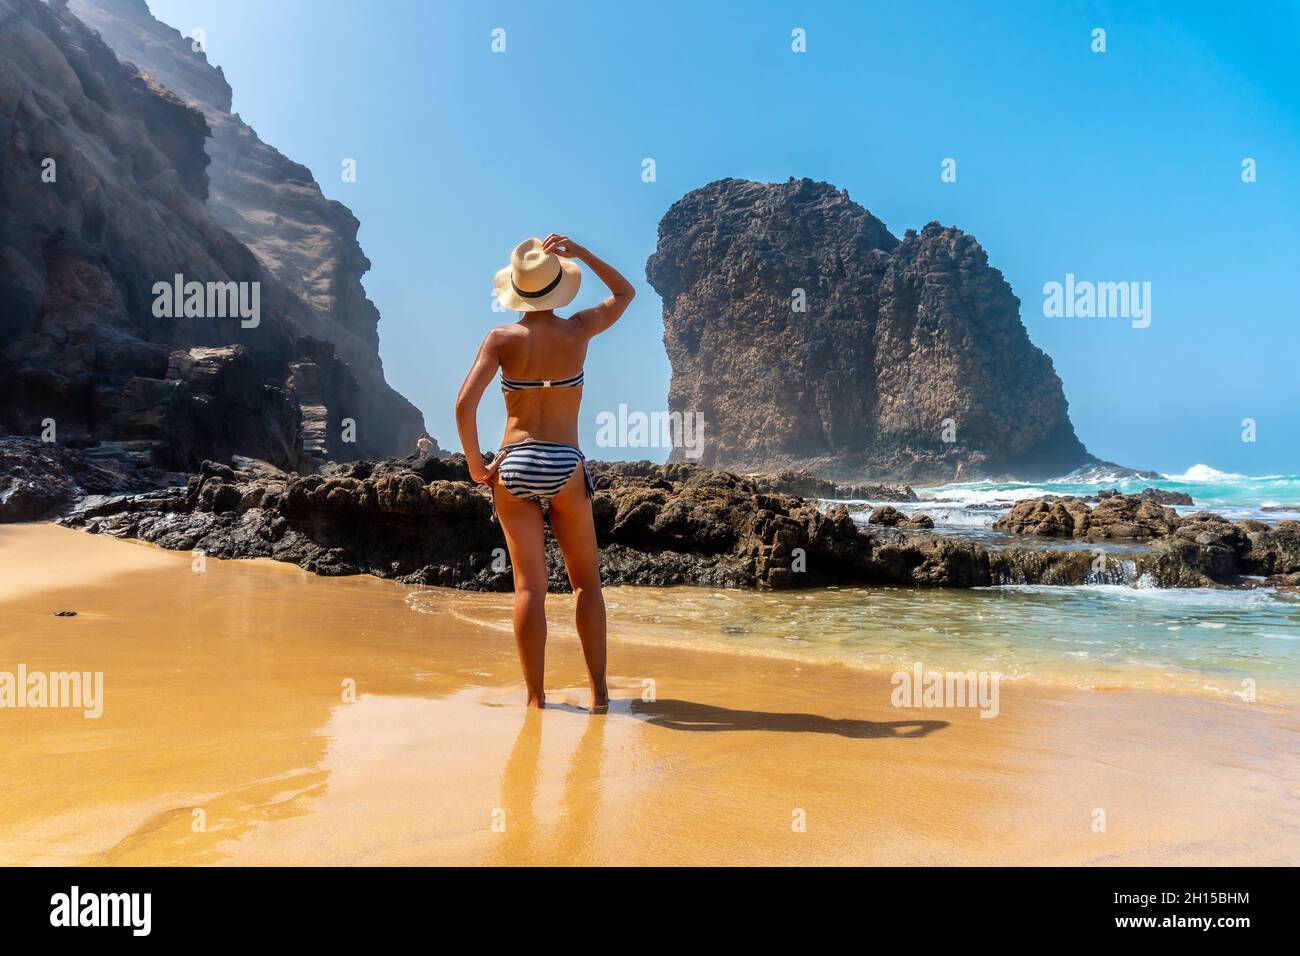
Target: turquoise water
x,y
1094,636
1089,636
1206,485
969,509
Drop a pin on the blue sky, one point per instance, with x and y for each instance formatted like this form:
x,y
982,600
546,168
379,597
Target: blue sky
x,y
1123,165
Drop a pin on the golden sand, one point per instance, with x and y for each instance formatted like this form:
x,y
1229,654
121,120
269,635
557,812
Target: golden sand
x,y
230,735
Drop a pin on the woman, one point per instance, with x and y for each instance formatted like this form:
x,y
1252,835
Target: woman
x,y
541,358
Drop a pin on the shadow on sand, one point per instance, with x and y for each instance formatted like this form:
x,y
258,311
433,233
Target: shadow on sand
x,y
688,715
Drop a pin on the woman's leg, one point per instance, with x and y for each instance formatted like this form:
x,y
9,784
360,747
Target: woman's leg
x,y
521,520
575,531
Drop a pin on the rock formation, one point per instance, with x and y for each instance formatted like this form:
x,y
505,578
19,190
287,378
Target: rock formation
x,y
807,485
810,337
105,190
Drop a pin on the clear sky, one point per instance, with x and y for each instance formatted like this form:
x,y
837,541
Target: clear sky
x,y
1115,166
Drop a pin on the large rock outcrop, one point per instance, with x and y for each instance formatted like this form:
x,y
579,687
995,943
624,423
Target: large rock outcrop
x,y
104,184
897,339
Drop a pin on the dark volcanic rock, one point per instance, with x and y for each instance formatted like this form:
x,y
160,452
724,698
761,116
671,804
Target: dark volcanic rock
x,y
1129,518
1198,550
1126,517
420,520
1158,495
886,516
1048,516
39,479
898,337
807,485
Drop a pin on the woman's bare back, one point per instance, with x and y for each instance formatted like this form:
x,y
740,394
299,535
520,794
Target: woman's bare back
x,y
542,347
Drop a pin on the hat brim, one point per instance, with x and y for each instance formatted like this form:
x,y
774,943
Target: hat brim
x,y
558,297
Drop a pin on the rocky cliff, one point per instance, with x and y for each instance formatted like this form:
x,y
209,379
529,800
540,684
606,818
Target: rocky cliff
x,y
276,208
810,337
106,191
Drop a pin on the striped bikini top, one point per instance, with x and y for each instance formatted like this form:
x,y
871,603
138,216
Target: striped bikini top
x,y
516,385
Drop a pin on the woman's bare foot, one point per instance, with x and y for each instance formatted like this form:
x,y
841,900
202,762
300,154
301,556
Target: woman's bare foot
x,y
600,702
539,702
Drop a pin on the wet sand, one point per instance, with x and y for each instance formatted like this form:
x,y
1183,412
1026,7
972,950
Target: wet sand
x,y
230,736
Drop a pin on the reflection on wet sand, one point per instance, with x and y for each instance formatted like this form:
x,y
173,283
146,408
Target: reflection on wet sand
x,y
522,836
230,735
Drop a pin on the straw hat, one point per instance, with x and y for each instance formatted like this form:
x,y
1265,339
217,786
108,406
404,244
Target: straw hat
x,y
536,280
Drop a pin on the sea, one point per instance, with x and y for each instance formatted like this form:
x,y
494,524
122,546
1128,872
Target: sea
x,y
1242,645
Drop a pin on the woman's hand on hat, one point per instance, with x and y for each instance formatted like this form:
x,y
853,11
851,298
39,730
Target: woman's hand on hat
x,y
562,246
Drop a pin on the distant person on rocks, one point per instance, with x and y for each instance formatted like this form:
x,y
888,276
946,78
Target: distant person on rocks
x,y
424,445
540,358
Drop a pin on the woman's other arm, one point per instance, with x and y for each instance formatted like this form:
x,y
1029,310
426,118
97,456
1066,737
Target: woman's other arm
x,y
476,382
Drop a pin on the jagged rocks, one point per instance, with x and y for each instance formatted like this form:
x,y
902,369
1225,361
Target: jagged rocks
x,y
890,517
1124,517
34,481
1047,517
807,485
420,520
40,479
809,337
1159,495
1127,518
1273,551
1198,550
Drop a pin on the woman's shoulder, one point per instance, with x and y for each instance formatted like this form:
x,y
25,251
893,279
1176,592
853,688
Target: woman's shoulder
x,y
506,333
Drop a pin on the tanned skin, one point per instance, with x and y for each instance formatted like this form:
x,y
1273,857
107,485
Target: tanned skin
x,y
543,345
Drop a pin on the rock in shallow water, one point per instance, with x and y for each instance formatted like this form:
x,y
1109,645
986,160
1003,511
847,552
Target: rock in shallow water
x,y
1198,550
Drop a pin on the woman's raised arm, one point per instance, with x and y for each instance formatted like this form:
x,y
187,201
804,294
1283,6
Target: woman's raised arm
x,y
598,319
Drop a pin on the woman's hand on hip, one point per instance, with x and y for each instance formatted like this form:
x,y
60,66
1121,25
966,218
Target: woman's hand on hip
x,y
487,476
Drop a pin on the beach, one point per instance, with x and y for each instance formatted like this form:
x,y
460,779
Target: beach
x,y
255,713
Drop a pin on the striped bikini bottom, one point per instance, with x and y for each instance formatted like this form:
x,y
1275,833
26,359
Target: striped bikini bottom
x,y
537,470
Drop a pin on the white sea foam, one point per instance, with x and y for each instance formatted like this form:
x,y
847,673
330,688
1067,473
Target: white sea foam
x,y
986,493
1172,598
1204,473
